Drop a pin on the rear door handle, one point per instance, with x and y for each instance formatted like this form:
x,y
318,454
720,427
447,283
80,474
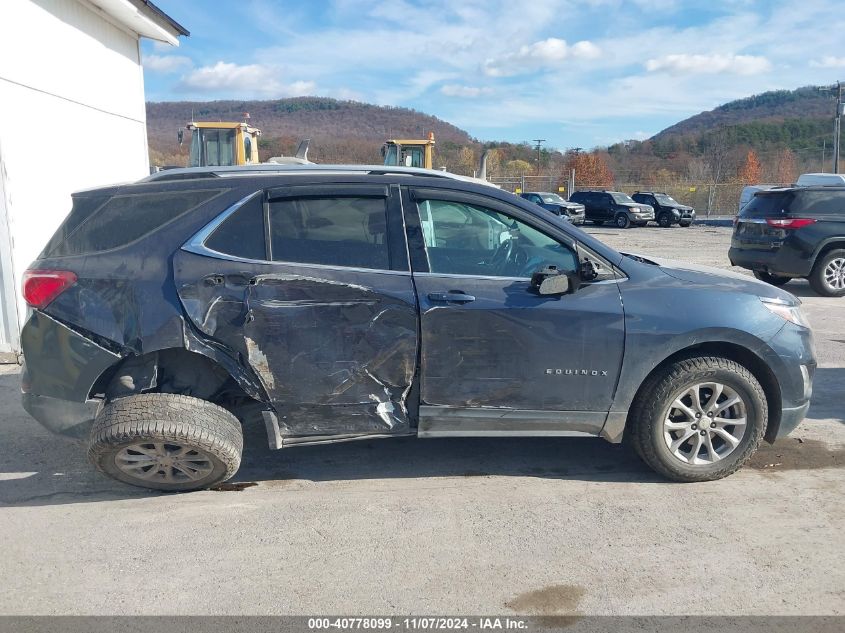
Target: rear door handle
x,y
453,296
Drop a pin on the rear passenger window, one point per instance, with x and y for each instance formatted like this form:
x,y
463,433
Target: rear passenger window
x,y
819,202
336,231
124,219
242,233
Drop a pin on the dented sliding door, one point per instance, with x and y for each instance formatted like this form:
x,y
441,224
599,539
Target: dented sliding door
x,y
327,321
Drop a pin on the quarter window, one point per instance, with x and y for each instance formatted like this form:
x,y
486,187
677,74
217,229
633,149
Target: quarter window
x,y
463,239
335,231
242,233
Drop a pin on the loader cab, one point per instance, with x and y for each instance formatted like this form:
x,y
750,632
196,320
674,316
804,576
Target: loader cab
x,y
409,152
222,144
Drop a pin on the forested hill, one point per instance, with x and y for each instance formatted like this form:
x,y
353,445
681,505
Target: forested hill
x,y
769,107
343,131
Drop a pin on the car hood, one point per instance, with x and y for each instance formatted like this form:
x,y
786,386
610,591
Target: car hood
x,y
718,277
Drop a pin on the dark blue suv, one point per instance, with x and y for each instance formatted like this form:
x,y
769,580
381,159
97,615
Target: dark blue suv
x,y
339,303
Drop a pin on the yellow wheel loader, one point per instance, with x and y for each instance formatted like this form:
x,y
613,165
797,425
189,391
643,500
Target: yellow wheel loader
x,y
409,152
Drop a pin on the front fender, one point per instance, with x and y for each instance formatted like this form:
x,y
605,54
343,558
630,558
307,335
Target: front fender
x,y
641,357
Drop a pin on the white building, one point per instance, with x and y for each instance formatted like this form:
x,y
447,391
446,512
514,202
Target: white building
x,y
72,117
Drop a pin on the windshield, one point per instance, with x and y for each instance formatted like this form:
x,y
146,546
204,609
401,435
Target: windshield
x,y
662,198
390,155
214,148
622,198
552,198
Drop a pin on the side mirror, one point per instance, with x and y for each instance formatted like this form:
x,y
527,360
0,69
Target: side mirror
x,y
554,285
550,281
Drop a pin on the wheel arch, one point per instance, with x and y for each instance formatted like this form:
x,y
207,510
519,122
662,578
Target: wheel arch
x,y
175,370
831,243
739,354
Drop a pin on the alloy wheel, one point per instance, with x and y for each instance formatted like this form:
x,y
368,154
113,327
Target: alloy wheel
x,y
705,423
164,462
834,274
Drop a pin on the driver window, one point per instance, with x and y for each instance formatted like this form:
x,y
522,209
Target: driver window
x,y
463,239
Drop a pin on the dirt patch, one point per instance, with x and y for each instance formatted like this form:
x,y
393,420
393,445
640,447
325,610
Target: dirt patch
x,y
235,486
549,601
797,454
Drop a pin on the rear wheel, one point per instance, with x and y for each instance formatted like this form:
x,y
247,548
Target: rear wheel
x,y
698,419
623,221
828,276
665,220
166,442
775,280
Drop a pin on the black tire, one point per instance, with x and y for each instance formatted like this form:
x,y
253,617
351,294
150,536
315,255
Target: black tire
x,y
623,221
685,224
817,278
137,429
645,431
771,279
664,220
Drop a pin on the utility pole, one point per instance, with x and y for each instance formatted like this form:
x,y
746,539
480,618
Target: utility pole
x,y
837,122
837,128
539,142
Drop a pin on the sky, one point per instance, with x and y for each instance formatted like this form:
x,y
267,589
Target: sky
x,y
577,73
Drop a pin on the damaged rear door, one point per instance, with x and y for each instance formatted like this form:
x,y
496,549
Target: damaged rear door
x,y
311,288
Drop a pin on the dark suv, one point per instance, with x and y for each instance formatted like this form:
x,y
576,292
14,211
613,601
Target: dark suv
x,y
557,205
613,206
340,303
794,232
667,210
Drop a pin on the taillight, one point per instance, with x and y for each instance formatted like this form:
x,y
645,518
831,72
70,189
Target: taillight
x,y
40,287
789,223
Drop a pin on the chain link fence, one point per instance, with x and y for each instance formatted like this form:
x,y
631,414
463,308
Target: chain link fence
x,y
707,199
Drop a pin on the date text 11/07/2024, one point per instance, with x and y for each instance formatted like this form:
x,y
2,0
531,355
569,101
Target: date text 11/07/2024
x,y
484,623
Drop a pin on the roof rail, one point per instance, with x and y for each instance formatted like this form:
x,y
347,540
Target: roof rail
x,y
266,169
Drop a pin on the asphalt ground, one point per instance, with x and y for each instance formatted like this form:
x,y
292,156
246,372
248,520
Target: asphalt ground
x,y
543,526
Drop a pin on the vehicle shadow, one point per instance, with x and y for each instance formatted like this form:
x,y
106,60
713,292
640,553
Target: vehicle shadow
x,y
38,468
801,288
826,403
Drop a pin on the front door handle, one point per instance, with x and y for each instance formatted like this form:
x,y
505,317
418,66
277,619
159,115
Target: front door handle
x,y
453,296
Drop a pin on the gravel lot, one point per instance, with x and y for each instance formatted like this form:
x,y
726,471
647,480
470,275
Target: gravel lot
x,y
534,526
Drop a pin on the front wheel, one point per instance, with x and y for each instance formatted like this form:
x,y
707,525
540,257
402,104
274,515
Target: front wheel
x,y
774,280
685,224
828,276
166,442
623,221
698,419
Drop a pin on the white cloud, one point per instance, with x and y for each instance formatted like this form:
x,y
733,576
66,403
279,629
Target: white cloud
x,y
466,92
242,81
828,61
166,63
682,64
542,54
